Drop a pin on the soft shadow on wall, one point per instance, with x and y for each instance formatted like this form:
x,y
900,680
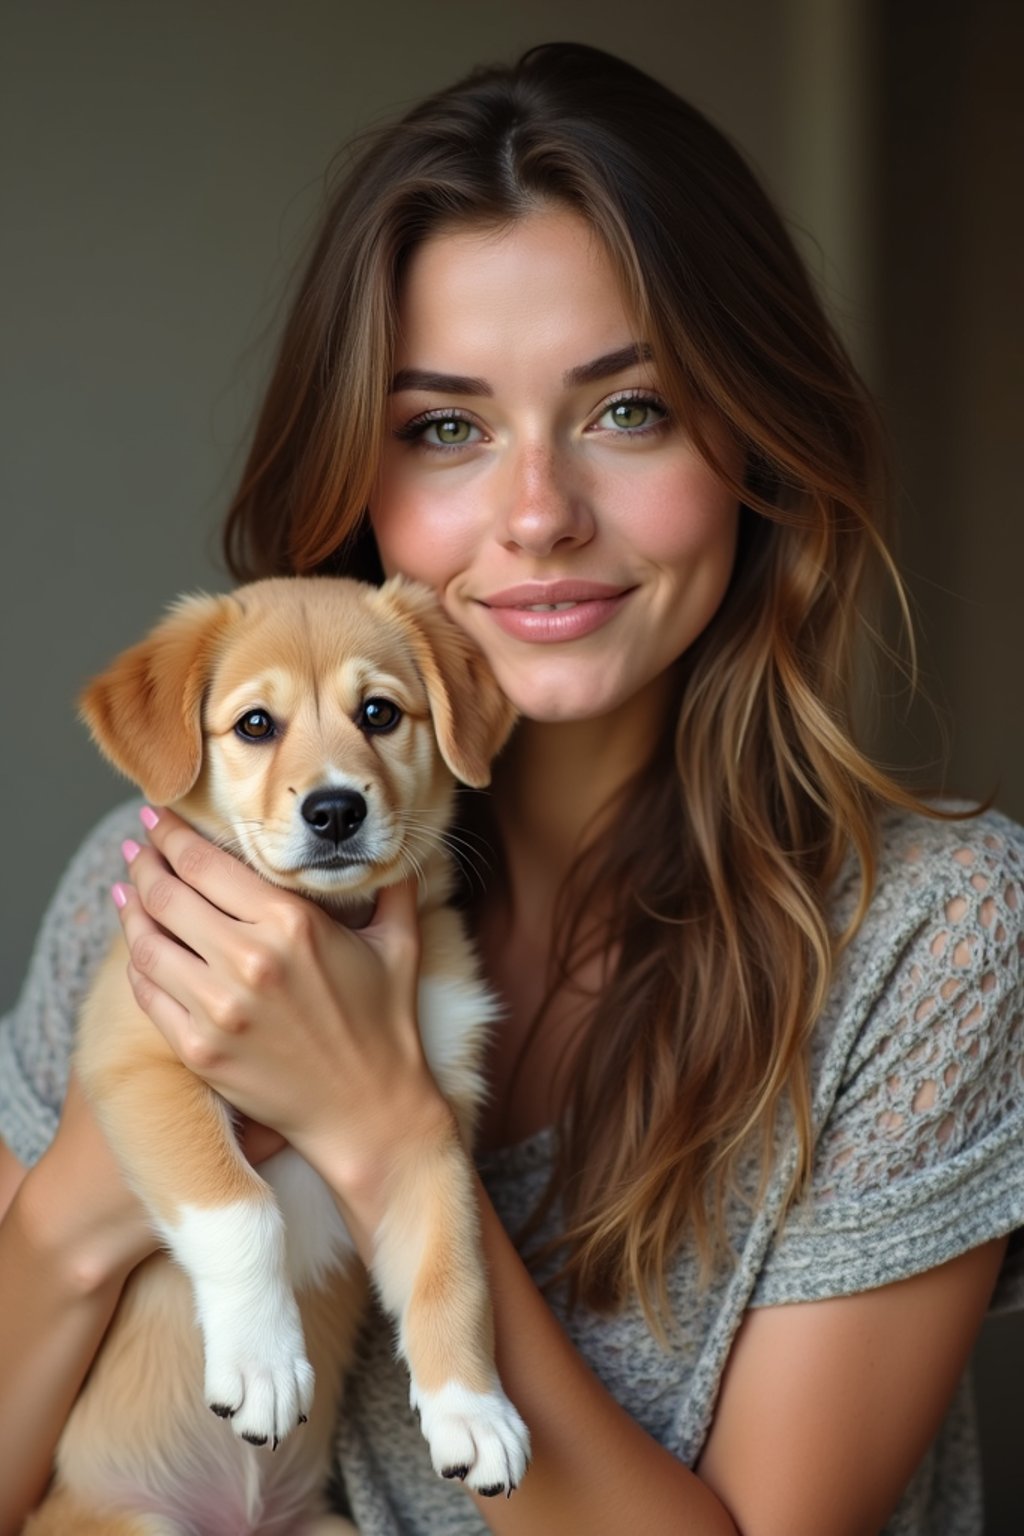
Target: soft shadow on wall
x,y
950,336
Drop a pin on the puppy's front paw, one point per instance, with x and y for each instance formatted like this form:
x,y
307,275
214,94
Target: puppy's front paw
x,y
261,1380
477,1437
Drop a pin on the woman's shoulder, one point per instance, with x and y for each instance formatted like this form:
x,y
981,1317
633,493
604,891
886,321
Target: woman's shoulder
x,y
959,844
958,874
957,849
36,1034
942,933
918,1069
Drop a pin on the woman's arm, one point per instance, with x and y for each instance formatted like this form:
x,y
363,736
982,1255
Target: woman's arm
x,y
70,1234
825,1411
827,1407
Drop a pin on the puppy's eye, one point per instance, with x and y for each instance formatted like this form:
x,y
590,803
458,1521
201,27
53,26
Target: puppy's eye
x,y
378,715
256,725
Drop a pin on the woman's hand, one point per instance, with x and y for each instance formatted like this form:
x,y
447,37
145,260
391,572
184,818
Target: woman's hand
x,y
297,1021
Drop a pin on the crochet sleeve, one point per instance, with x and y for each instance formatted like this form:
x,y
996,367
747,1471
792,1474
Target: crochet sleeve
x,y
921,1154
36,1036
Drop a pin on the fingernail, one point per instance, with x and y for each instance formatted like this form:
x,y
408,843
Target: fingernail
x,y
130,849
148,817
119,894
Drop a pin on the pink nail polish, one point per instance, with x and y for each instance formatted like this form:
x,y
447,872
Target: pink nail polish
x,y
130,849
148,817
119,894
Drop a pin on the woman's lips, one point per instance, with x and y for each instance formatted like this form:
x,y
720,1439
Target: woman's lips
x,y
546,612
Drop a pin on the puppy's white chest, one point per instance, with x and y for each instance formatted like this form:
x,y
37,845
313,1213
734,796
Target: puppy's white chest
x,y
455,1015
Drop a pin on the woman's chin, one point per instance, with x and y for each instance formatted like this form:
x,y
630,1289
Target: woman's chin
x,y
565,707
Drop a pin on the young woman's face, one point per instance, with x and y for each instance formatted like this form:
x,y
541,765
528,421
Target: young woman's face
x,y
534,476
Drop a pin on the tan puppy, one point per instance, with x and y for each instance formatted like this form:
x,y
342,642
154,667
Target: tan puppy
x,y
314,726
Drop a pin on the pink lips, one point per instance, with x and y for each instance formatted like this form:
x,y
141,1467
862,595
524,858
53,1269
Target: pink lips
x,y
529,611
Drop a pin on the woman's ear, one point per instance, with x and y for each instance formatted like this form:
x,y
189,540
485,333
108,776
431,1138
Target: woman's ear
x,y
472,717
145,710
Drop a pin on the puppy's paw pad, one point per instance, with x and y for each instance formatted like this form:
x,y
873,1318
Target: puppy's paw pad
x,y
477,1437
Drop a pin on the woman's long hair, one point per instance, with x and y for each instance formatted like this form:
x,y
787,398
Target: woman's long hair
x,y
720,861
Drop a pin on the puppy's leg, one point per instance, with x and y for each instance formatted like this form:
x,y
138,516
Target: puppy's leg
x,y
175,1140
430,1271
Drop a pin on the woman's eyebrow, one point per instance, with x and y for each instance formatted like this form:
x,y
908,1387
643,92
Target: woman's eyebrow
x,y
439,383
611,362
602,367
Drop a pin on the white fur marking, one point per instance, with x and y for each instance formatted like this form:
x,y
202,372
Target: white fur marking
x,y
477,1431
455,1016
319,1243
256,1366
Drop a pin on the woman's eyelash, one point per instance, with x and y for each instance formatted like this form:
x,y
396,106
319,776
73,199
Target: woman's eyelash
x,y
414,430
637,397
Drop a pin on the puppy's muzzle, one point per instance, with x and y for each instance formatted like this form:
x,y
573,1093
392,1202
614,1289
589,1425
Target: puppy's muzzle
x,y
334,814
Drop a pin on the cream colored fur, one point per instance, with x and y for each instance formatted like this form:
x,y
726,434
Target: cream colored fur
x,y
257,1316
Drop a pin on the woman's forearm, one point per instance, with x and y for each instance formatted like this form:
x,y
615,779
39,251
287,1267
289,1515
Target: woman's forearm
x,y
593,1468
72,1234
55,1305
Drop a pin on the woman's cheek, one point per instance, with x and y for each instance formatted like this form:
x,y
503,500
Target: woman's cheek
x,y
420,538
676,514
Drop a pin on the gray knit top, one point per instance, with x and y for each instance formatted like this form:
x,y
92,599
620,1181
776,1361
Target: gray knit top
x,y
918,1087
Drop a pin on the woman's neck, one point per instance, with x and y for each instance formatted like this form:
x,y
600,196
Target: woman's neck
x,y
552,784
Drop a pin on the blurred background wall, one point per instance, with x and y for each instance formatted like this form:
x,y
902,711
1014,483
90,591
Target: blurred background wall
x,y
161,168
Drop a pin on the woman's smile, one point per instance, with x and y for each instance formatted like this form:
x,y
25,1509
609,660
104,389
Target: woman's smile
x,y
544,612
535,475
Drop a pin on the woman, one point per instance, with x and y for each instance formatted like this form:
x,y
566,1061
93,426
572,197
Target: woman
x,y
755,1103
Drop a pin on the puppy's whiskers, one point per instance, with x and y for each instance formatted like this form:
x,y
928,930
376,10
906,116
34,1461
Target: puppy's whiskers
x,y
471,860
412,866
231,840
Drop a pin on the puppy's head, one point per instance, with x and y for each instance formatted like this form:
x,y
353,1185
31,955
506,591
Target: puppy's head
x,y
311,725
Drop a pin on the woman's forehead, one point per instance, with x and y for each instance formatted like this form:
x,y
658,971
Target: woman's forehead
x,y
488,292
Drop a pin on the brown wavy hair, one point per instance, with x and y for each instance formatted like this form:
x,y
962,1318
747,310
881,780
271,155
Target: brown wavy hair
x,y
720,860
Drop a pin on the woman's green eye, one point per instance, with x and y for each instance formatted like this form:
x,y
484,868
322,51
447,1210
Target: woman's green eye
x,y
630,414
452,431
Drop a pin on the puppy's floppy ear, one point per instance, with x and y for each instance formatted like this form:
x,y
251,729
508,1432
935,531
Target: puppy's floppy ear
x,y
145,710
472,717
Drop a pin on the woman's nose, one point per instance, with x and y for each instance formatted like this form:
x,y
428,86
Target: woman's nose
x,y
545,502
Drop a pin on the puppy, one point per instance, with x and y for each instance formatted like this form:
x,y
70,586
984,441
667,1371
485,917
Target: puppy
x,y
316,727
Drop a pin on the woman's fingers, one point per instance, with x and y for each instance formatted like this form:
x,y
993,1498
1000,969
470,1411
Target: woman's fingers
x,y
219,877
173,904
395,928
161,971
171,1019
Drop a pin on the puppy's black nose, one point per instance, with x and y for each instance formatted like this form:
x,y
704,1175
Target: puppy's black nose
x,y
334,814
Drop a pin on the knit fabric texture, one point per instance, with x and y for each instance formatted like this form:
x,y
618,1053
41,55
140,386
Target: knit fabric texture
x,y
918,1088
